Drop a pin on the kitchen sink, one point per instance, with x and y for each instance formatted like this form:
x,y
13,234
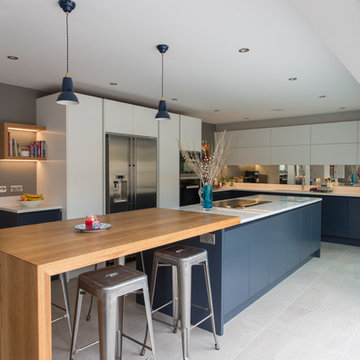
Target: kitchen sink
x,y
238,203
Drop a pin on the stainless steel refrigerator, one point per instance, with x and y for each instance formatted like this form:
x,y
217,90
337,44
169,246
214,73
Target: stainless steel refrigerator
x,y
130,173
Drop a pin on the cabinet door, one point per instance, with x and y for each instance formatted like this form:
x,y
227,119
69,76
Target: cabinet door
x,y
118,117
334,133
290,135
84,158
168,163
290,155
144,122
250,138
236,267
249,156
334,216
334,154
353,218
190,133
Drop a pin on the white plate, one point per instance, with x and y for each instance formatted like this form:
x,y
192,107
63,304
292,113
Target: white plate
x,y
82,228
31,203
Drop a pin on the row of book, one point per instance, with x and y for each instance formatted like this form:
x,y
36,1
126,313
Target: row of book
x,y
35,149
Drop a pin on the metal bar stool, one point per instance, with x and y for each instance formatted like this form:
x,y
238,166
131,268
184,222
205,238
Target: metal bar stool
x,y
66,302
109,285
181,259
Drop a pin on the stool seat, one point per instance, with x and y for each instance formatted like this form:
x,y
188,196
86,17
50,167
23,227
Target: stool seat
x,y
110,279
175,254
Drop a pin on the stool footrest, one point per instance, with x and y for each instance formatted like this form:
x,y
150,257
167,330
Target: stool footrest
x,y
136,341
200,307
162,306
201,321
85,347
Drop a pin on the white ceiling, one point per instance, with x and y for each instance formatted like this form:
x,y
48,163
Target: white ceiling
x,y
114,41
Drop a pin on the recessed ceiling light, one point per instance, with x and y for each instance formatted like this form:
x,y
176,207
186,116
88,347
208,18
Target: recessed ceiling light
x,y
278,109
174,99
244,50
246,118
113,83
12,57
322,96
292,79
342,107
217,110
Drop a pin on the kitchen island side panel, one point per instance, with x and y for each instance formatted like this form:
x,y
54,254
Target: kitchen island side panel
x,y
277,246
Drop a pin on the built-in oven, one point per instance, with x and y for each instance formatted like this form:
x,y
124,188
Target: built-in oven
x,y
189,191
185,169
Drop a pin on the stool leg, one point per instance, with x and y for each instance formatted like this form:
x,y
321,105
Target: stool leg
x,y
175,295
75,332
149,318
66,300
88,316
211,307
152,291
185,307
107,326
121,326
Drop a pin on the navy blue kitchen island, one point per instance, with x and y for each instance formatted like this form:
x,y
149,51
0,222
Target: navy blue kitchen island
x,y
246,261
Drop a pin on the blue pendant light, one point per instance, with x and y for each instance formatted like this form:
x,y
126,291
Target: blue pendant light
x,y
67,95
162,113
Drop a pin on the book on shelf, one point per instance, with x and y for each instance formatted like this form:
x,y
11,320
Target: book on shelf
x,y
35,149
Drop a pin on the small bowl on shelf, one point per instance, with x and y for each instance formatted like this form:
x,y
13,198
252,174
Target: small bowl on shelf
x,y
29,203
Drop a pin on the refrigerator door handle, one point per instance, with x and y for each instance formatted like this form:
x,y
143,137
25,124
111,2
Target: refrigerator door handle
x,y
130,192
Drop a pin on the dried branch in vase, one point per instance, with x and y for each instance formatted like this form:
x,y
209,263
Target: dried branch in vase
x,y
208,170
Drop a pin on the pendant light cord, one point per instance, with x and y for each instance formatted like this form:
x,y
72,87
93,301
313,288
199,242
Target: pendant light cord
x,y
162,76
67,44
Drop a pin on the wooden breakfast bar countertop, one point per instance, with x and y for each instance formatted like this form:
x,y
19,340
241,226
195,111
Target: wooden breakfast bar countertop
x,y
29,255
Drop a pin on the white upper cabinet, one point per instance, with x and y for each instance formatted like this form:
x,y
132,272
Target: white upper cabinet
x,y
334,133
144,122
290,135
290,155
190,133
334,154
118,117
249,138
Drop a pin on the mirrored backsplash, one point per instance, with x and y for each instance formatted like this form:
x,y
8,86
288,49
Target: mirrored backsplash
x,y
292,174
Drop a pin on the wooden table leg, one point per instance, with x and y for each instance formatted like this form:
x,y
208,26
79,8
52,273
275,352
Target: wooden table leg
x,y
25,311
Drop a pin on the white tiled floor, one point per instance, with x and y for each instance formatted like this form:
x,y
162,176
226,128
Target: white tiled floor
x,y
314,314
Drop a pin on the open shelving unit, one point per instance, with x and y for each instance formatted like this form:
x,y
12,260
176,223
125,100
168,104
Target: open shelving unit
x,y
26,133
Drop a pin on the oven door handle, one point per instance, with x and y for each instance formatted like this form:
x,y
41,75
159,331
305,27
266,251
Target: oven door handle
x,y
192,187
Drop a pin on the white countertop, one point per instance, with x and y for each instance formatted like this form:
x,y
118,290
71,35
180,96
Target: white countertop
x,y
12,204
292,189
277,205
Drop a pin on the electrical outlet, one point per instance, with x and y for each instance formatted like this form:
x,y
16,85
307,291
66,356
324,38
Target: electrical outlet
x,y
208,239
16,188
3,188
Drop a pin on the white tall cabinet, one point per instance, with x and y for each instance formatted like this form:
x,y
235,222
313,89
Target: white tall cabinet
x,y
168,163
73,174
190,133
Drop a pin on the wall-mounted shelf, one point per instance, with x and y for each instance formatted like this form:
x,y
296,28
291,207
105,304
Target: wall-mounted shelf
x,y
25,135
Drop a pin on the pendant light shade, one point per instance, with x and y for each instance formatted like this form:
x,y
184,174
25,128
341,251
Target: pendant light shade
x,y
162,113
67,95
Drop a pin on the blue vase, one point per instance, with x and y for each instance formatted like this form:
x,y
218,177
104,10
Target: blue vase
x,y
352,178
207,197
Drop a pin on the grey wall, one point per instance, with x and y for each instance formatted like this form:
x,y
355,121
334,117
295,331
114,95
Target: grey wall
x,y
208,133
18,105
299,120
